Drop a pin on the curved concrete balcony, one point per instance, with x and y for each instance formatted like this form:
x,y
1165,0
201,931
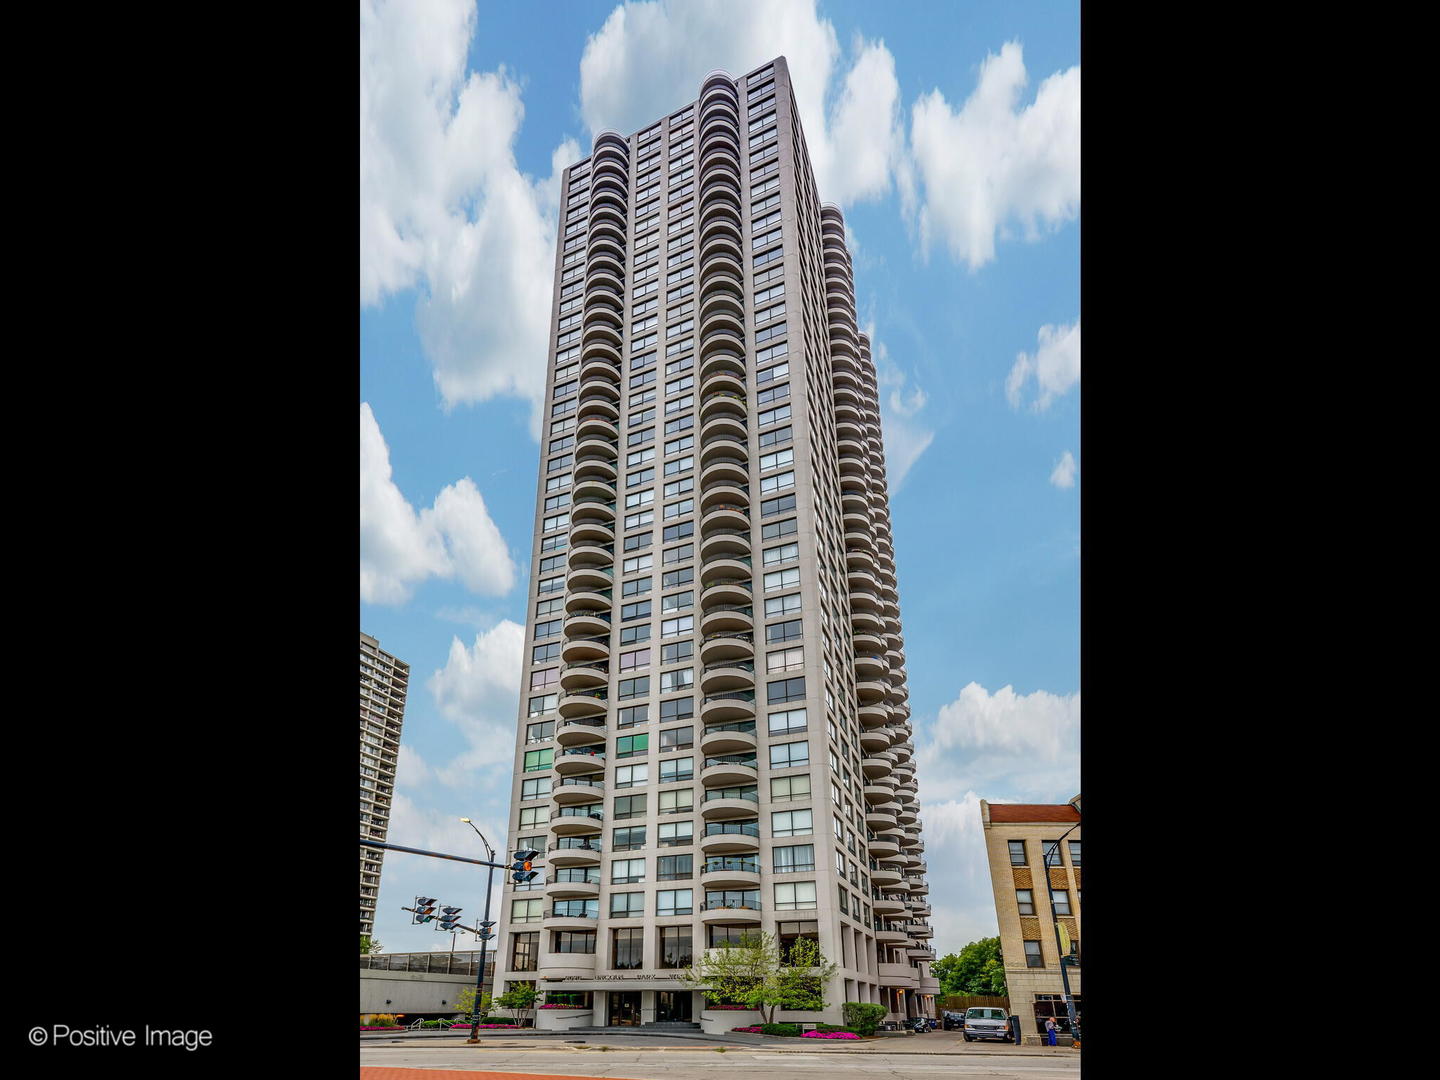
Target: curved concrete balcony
x,y
918,909
730,873
886,878
596,466
587,624
725,516
588,600
869,666
860,539
888,907
878,818
725,494
724,424
738,738
902,750
876,765
581,649
726,382
720,773
873,715
727,675
723,444
738,617
602,426
584,675
891,937
598,406
877,793
722,402
604,274
853,503
581,761
599,446
920,954
599,360
846,394
725,543
918,886
578,821
907,815
732,593
591,532
574,856
727,707
727,645
901,975
874,740
577,791
580,732
573,890
722,295
583,703
869,691
864,600
593,508
728,843
567,965
590,578
852,465
721,360
726,471
570,922
881,846
728,808
729,916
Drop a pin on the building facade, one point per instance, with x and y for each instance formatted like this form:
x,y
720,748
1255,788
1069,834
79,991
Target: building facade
x,y
1037,884
714,731
384,682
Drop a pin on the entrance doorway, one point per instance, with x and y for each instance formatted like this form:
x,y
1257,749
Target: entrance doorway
x,y
672,1006
624,1008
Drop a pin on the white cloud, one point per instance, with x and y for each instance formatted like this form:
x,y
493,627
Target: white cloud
x,y
906,434
1064,474
478,690
1055,366
400,548
651,53
991,163
444,207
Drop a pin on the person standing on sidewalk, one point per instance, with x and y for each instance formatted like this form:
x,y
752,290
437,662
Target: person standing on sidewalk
x,y
1050,1029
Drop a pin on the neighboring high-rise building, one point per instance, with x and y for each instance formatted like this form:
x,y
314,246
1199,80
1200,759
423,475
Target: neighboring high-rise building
x,y
1020,839
714,730
383,683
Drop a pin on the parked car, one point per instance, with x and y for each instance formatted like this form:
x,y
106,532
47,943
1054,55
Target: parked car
x,y
952,1021
986,1023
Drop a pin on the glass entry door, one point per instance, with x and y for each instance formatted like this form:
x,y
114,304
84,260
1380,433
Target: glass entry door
x,y
624,1008
672,1005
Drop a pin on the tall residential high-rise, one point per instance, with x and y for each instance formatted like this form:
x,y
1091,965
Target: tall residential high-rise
x,y
383,683
714,731
1036,878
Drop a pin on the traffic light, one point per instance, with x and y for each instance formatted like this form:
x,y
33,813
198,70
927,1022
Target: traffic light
x,y
520,868
424,909
449,919
485,932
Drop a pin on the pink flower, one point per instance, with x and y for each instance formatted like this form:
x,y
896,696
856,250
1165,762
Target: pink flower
x,y
830,1035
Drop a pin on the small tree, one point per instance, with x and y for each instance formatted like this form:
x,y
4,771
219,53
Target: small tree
x,y
520,1000
465,1003
753,973
369,945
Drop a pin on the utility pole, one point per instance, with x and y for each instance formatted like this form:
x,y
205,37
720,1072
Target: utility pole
x,y
1055,924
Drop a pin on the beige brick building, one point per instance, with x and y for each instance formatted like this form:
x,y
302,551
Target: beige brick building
x,y
1020,844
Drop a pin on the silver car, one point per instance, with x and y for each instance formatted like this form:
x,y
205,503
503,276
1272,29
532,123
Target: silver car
x,y
986,1023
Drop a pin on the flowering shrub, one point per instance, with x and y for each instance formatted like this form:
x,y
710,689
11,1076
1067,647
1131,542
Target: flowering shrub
x,y
736,1008
830,1035
748,1030
397,1027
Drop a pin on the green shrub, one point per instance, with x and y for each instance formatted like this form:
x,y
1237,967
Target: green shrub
x,y
835,1027
788,1030
382,1020
863,1017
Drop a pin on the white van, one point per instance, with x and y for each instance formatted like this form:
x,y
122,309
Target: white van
x,y
986,1023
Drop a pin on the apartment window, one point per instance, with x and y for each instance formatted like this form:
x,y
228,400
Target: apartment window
x,y
628,945
672,681
632,745
627,871
677,653
1017,853
776,529
633,635
543,704
677,709
789,755
792,895
679,554
542,653
1074,852
572,941
676,950
1033,959
677,833
677,769
633,688
539,732
784,660
627,905
632,660
844,900
777,505
684,624
629,839
1060,901
674,578
628,806
796,858
791,823
524,911
538,760
631,775
783,690
538,788
677,802
533,817
539,680
784,553
635,611
785,631
775,606
674,867
677,739
1025,901
524,950
631,715
782,579
783,788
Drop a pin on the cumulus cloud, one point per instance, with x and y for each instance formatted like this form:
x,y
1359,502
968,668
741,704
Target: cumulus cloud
x,y
658,51
1064,474
478,690
907,436
400,548
992,163
444,207
1055,367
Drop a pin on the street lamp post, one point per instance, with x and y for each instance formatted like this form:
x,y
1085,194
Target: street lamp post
x,y
480,978
1055,925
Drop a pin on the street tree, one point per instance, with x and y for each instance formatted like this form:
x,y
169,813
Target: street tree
x,y
369,945
979,969
520,1000
753,972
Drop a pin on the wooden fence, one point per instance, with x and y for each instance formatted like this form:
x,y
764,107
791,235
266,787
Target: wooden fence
x,y
961,1002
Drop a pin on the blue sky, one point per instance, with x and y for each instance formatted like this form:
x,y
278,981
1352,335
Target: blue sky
x,y
963,210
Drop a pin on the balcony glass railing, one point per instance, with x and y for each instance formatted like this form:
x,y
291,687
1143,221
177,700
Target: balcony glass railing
x,y
734,828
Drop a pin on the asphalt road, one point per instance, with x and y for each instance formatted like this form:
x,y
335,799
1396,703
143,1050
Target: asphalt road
x,y
679,1062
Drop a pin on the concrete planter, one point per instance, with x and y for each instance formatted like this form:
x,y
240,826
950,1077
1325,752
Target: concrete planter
x,y
562,1019
720,1021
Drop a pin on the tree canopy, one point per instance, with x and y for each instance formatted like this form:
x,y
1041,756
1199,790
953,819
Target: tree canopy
x,y
979,968
754,973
